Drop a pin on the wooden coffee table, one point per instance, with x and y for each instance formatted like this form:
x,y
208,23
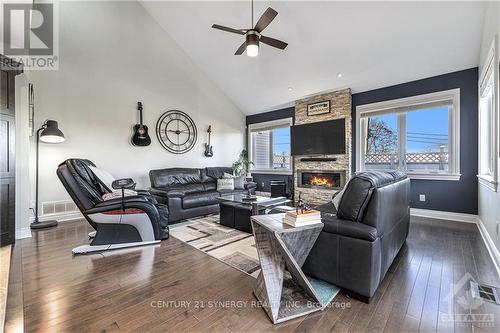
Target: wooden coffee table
x,y
283,290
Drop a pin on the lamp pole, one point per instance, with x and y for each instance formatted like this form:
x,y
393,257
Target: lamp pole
x,y
49,129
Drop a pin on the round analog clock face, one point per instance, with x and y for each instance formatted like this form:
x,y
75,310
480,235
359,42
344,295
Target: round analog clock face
x,y
176,132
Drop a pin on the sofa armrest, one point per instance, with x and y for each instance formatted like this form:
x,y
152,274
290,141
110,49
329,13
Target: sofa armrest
x,y
143,192
327,209
250,185
334,225
157,191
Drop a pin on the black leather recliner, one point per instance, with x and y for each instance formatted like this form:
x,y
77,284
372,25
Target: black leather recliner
x,y
191,192
359,242
119,223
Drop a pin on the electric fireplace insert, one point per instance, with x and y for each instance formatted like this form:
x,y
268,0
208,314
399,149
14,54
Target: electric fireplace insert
x,y
329,180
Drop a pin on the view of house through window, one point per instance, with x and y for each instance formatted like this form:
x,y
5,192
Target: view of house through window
x,y
422,146
415,138
381,147
427,139
270,148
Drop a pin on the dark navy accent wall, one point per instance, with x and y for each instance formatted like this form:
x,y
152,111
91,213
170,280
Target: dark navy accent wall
x,y
271,115
264,180
451,196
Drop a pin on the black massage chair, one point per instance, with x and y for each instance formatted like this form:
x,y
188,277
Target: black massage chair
x,y
119,223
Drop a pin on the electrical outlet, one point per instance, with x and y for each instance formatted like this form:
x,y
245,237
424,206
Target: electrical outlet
x,y
262,184
32,204
422,197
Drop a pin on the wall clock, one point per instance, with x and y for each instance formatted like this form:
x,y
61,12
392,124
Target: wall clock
x,y
176,132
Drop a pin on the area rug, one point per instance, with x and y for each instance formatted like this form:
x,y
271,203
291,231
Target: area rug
x,y
233,247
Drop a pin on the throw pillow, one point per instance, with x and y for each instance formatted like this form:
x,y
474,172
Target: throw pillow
x,y
239,182
337,197
103,176
225,184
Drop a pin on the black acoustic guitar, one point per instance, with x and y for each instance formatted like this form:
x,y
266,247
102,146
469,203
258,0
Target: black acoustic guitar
x,y
209,152
141,136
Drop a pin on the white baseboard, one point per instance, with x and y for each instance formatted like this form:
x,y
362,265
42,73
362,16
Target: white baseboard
x,y
23,233
490,245
60,217
440,215
467,218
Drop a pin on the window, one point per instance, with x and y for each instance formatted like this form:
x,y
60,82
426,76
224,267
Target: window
x,y
487,120
269,146
419,135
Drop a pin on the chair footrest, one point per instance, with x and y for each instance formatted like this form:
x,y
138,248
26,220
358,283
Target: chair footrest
x,y
106,247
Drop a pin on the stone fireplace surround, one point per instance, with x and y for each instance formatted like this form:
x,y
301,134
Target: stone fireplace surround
x,y
340,102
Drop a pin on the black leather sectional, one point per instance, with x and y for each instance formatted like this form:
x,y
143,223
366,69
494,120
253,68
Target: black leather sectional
x,y
190,192
360,241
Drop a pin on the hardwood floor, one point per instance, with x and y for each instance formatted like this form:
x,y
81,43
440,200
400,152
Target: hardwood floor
x,y
174,287
4,281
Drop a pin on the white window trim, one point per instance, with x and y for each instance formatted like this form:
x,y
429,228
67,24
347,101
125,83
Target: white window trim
x,y
490,68
408,102
267,125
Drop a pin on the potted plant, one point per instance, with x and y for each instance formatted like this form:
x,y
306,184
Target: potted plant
x,y
242,165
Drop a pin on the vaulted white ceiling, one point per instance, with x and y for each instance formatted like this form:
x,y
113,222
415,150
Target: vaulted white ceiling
x,y
373,44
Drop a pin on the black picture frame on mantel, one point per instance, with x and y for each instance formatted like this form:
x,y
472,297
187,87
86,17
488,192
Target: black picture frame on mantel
x,y
318,108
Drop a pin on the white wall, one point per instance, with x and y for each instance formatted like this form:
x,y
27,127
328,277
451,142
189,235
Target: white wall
x,y
23,153
489,201
113,54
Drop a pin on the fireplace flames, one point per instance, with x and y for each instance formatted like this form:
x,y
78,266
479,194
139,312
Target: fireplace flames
x,y
318,180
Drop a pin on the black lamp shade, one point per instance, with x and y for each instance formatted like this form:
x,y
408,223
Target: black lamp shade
x,y
52,133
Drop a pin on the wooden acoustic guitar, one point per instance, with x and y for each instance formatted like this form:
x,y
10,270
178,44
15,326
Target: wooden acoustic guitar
x,y
141,137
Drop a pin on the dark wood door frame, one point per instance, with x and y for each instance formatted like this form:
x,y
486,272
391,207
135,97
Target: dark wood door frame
x,y
8,70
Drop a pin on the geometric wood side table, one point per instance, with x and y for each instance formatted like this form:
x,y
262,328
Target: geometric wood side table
x,y
283,290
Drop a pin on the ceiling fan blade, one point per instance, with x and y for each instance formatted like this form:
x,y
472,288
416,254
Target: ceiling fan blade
x,y
273,42
265,19
223,28
241,49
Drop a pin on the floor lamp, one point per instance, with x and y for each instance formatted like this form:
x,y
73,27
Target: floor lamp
x,y
48,133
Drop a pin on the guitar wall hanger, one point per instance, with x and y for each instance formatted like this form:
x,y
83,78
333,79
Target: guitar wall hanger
x,y
141,137
209,152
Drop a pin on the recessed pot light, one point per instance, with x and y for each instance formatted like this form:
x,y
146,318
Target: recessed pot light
x,y
339,75
290,88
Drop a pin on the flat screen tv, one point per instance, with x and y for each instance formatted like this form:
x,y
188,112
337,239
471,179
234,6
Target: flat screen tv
x,y
321,138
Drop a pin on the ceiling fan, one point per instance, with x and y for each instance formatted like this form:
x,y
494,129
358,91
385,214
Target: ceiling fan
x,y
254,35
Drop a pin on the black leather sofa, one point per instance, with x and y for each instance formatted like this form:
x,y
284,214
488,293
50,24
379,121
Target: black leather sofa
x,y
360,241
190,192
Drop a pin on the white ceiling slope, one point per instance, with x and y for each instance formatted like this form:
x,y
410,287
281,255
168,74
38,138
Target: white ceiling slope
x,y
373,44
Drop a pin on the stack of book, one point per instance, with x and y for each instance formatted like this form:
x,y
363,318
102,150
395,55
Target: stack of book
x,y
301,218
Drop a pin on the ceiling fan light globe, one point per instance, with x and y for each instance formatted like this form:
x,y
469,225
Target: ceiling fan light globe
x,y
252,50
